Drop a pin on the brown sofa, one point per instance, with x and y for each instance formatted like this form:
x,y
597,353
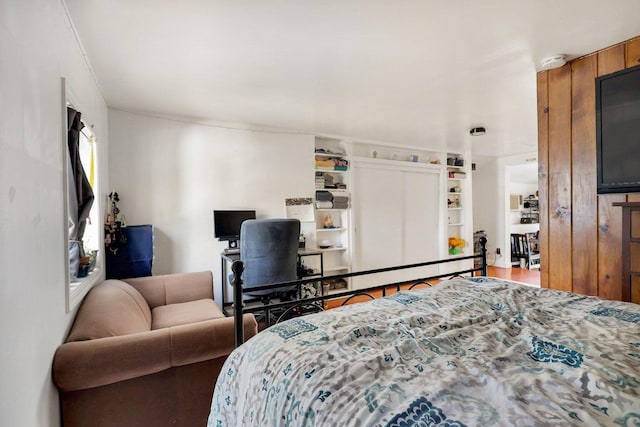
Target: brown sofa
x,y
145,352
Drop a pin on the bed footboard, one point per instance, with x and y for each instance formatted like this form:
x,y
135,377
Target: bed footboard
x,y
239,307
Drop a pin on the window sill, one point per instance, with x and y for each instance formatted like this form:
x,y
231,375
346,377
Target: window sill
x,y
78,289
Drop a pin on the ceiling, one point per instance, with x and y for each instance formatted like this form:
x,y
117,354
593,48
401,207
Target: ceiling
x,y
415,72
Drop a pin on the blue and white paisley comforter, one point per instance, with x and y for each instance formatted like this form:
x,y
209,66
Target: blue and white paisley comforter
x,y
475,352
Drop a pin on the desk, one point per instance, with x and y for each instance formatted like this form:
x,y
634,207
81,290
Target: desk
x,y
228,259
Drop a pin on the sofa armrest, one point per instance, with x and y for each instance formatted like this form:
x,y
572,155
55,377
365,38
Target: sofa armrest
x,y
80,365
85,364
174,288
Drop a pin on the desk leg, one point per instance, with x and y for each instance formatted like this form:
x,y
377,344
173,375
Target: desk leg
x,y
324,302
223,269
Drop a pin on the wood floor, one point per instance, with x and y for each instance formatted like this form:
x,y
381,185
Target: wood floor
x,y
531,277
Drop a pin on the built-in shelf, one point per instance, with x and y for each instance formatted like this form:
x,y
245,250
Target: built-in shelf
x,y
457,202
330,170
333,190
315,272
397,162
335,268
339,155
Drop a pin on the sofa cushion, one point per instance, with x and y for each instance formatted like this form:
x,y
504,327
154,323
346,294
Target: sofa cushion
x,y
111,308
174,288
184,313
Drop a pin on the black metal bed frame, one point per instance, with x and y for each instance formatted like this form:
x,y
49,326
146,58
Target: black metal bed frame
x,y
314,304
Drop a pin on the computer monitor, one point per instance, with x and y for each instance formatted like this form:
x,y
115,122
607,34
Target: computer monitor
x,y
226,224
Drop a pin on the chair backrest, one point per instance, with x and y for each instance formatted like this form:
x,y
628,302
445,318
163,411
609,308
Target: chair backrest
x,y
532,244
518,245
269,251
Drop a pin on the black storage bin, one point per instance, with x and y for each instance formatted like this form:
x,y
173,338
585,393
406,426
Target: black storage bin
x,y
135,258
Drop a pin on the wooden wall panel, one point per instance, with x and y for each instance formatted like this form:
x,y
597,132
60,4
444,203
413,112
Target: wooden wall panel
x,y
610,246
611,60
543,164
584,230
583,176
559,184
609,259
584,246
632,53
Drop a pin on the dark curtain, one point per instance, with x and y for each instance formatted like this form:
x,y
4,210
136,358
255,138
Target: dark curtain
x,y
83,192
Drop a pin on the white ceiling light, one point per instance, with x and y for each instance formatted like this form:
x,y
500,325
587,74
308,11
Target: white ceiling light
x,y
554,61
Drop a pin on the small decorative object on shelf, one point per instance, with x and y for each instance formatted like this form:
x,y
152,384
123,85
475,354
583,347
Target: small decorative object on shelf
x,y
329,152
455,161
325,244
328,221
114,236
453,202
455,245
331,163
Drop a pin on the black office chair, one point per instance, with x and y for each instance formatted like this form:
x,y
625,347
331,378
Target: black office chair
x,y
533,251
269,251
518,249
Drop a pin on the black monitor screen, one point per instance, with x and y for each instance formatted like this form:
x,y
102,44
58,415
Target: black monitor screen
x,y
618,131
226,224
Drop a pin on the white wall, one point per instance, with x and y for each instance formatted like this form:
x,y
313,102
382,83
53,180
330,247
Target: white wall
x,y
524,190
173,174
485,200
37,48
491,210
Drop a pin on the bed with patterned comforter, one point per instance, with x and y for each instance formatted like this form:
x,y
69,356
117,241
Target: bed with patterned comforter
x,y
467,352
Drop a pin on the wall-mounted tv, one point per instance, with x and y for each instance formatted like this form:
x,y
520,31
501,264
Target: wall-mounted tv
x,y
226,224
618,131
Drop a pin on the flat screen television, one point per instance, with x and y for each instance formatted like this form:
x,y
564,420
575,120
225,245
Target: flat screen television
x,y
618,131
226,224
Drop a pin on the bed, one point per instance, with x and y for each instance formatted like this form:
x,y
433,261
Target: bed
x,y
468,351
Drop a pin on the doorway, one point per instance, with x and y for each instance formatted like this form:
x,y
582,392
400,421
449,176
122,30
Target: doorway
x,y
522,223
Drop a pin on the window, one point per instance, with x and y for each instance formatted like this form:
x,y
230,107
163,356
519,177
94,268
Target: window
x,y
82,208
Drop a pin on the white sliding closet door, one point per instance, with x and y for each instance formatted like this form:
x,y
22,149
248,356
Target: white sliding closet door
x,y
421,222
377,207
421,217
396,218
